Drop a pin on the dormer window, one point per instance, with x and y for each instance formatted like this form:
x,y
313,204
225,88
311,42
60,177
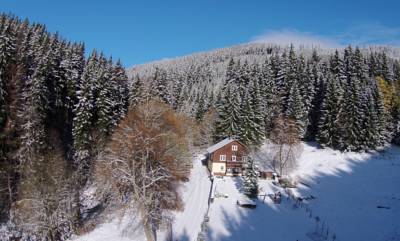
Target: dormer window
x,y
234,147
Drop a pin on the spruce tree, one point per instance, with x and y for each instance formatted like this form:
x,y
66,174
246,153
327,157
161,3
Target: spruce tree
x,y
33,113
257,115
136,93
119,90
271,104
329,126
250,178
247,126
296,109
229,114
305,79
351,116
371,134
83,115
160,86
7,51
201,105
104,103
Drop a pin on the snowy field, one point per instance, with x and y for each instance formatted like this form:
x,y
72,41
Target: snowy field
x,y
355,197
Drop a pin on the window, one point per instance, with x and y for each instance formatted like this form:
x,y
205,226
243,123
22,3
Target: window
x,y
222,168
234,148
222,158
233,158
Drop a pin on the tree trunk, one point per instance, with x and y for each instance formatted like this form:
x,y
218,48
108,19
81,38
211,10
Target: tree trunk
x,y
150,235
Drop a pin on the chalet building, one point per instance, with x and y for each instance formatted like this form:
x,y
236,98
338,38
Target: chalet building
x,y
226,157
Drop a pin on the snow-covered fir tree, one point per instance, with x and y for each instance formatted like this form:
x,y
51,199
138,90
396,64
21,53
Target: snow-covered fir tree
x,y
329,133
296,109
83,112
229,114
250,178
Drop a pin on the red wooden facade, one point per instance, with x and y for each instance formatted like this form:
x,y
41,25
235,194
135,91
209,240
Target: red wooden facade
x,y
232,155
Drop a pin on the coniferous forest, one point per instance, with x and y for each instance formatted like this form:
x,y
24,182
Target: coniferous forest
x,y
346,99
56,108
70,120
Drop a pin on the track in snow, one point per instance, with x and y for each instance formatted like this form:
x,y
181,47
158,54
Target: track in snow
x,y
195,193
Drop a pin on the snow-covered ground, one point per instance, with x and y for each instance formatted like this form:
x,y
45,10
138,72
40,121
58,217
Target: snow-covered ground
x,y
357,197
195,194
186,224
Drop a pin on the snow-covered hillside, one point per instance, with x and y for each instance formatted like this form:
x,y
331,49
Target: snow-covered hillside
x,y
351,197
252,52
346,196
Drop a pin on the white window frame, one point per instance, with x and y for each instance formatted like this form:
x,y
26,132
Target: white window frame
x,y
234,158
234,147
222,158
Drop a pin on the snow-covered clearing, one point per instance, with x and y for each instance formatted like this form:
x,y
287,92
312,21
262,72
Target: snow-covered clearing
x,y
357,197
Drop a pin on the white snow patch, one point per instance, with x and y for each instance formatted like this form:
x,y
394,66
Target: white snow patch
x,y
355,196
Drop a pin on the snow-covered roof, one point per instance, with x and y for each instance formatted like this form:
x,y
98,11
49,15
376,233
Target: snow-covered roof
x,y
220,144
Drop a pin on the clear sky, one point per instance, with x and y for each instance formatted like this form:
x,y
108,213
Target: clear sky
x,y
139,32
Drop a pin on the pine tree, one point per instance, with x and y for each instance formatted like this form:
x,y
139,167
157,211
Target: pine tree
x,y
119,91
305,79
35,106
385,70
329,127
250,178
351,116
229,114
231,72
296,109
271,104
291,76
104,104
371,135
382,116
136,94
160,86
82,122
246,131
7,51
201,107
317,75
257,115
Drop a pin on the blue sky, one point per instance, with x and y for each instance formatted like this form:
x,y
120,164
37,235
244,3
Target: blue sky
x,y
139,32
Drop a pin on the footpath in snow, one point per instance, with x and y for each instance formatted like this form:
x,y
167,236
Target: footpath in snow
x,y
187,224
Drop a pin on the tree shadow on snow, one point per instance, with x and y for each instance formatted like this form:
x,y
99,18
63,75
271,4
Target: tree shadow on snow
x,y
182,237
238,181
348,202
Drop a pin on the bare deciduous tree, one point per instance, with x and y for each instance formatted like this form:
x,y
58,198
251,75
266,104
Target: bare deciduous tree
x,y
44,207
286,145
144,162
